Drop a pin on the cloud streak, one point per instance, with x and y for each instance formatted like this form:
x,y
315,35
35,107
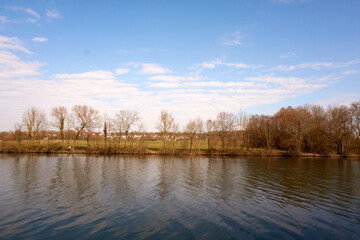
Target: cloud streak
x,y
39,39
218,62
152,68
26,10
318,65
52,14
288,55
11,66
12,43
232,39
4,19
121,71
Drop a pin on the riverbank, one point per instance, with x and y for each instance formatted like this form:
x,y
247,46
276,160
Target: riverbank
x,y
145,148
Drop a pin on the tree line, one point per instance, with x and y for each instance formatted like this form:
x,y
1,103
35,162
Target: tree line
x,y
304,129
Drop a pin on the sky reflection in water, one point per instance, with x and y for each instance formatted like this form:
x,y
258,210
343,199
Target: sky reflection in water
x,y
64,196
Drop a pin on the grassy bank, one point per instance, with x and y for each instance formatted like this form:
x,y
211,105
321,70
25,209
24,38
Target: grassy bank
x,y
143,148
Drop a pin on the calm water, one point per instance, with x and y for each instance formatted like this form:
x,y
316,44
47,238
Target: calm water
x,y
82,197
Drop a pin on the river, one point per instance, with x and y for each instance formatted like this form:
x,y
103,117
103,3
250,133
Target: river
x,y
154,197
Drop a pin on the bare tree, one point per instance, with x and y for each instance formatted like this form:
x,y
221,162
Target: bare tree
x,y
316,137
291,128
267,128
125,120
34,119
243,120
260,130
225,123
69,126
355,122
60,115
191,130
199,129
18,133
165,125
85,119
339,126
209,130
141,131
252,132
173,136
106,128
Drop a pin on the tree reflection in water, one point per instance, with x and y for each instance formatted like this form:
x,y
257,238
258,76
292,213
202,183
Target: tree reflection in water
x,y
82,196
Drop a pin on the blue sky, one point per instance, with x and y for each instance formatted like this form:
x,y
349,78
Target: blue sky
x,y
193,58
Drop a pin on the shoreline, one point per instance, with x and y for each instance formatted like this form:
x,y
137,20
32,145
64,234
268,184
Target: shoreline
x,y
187,154
150,148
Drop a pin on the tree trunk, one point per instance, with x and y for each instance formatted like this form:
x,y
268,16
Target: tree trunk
x,y
340,149
209,145
62,135
223,144
191,144
126,137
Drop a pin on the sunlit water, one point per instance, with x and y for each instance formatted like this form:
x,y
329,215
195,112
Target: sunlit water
x,y
117,197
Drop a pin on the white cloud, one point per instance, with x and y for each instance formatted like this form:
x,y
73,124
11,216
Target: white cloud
x,y
151,68
12,43
30,20
232,39
291,86
347,64
339,98
53,14
288,55
241,65
11,67
102,90
209,84
219,84
185,95
195,78
318,65
93,75
95,88
166,78
27,10
351,72
208,65
39,39
4,19
165,85
121,71
285,68
169,78
187,99
32,12
278,80
295,84
216,62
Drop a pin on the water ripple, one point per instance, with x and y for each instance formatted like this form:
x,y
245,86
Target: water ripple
x,y
82,197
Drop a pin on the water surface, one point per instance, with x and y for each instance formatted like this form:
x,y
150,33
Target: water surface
x,y
117,197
